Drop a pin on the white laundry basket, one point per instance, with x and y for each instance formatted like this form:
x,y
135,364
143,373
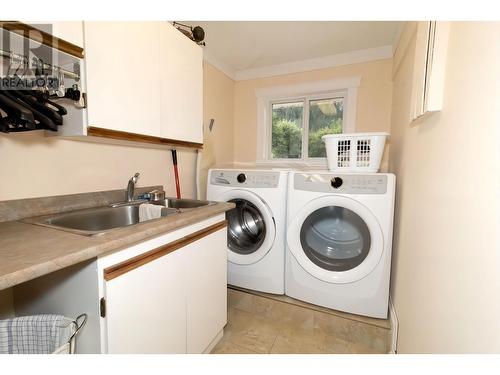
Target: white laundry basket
x,y
355,152
40,334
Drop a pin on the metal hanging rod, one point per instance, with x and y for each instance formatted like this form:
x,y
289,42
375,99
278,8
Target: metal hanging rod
x,y
67,73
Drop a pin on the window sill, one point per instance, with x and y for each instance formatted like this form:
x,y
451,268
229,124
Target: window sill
x,y
320,164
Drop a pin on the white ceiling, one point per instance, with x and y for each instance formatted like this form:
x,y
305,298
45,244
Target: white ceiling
x,y
247,45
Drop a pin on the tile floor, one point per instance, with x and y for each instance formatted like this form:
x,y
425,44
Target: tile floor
x,y
261,323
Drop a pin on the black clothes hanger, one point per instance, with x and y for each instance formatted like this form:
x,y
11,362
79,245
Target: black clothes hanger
x,y
25,109
4,126
43,97
17,114
60,109
44,121
13,125
35,104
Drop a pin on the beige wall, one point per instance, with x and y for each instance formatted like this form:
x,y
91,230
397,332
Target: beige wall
x,y
373,109
446,265
37,166
218,97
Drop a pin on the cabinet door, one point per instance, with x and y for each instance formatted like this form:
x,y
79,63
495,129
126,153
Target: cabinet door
x,y
122,63
419,70
146,307
70,31
181,74
429,68
206,290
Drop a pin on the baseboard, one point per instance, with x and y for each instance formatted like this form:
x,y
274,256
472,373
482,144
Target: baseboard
x,y
393,318
214,342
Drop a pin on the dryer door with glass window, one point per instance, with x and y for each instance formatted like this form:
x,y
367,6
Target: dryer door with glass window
x,y
251,228
336,239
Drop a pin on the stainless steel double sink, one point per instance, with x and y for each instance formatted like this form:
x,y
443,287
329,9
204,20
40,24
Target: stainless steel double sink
x,y
100,220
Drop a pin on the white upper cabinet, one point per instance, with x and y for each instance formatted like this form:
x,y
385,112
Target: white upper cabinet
x,y
181,78
139,77
70,31
429,68
122,65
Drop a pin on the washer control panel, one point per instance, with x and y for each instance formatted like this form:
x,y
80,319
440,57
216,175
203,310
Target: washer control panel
x,y
247,179
341,183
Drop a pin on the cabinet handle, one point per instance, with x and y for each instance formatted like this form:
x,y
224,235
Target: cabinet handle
x,y
130,264
126,136
102,307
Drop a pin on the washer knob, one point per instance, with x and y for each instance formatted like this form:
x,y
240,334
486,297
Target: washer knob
x,y
336,182
241,178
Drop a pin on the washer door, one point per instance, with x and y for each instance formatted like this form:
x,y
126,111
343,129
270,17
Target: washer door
x,y
251,227
336,239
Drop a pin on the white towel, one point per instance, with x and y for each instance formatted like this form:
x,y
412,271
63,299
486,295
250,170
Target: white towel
x,y
37,334
149,211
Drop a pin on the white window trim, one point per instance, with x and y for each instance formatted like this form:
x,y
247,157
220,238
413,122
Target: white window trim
x,y
347,87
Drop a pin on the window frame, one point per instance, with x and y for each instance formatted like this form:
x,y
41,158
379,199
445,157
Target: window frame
x,y
306,100
345,88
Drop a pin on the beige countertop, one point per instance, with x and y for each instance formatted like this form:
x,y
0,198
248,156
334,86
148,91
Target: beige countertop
x,y
28,251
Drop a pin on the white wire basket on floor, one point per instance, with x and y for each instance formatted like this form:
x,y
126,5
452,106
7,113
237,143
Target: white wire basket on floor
x,y
355,152
40,334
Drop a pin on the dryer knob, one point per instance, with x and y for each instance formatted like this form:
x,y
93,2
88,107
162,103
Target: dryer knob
x,y
241,178
336,182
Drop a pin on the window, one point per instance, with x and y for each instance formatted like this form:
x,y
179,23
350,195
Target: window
x,y
294,135
287,130
292,120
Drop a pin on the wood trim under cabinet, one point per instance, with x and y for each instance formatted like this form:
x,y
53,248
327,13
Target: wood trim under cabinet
x,y
130,264
126,136
30,32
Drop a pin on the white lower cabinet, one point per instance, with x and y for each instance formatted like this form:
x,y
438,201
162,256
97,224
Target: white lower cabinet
x,y
167,295
206,307
163,295
145,308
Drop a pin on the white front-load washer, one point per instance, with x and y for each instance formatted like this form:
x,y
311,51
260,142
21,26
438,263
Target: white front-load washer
x,y
339,240
256,227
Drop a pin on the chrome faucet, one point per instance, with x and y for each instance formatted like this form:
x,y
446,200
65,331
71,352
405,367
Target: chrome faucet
x,y
130,187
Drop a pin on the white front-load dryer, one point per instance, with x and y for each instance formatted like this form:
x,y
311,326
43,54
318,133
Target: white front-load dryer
x,y
256,226
339,240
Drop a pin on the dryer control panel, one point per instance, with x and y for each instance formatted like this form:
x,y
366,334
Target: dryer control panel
x,y
341,183
247,179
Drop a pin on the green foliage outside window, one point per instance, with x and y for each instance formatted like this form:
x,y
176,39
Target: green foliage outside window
x,y
316,145
325,117
287,130
287,140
